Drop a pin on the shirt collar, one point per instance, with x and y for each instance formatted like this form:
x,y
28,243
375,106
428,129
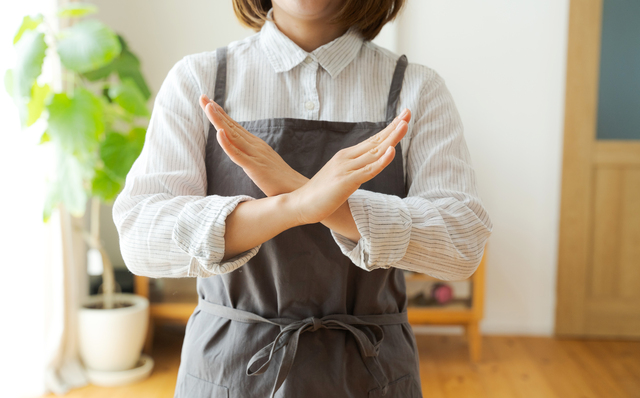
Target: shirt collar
x,y
284,54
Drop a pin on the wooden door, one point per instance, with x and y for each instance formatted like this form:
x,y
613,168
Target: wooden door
x,y
598,288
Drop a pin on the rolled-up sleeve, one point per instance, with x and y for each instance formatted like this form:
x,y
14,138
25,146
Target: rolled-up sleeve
x,y
440,228
167,225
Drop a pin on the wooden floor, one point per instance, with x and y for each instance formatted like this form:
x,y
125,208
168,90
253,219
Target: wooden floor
x,y
511,367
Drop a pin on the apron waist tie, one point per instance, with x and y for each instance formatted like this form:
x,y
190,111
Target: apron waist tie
x,y
290,330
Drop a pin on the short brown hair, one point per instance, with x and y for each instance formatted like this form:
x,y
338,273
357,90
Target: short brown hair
x,y
369,16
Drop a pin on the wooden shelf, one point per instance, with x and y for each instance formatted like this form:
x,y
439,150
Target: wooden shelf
x,y
171,312
414,277
440,315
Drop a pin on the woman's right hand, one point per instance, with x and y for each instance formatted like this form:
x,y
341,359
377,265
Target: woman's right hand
x,y
343,174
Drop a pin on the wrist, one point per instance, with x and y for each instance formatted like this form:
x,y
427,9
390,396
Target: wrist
x,y
291,209
297,181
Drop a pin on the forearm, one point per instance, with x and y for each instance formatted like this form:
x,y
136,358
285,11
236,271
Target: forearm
x,y
342,222
256,221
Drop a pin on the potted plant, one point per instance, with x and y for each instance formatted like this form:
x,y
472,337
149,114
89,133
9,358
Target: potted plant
x,y
96,125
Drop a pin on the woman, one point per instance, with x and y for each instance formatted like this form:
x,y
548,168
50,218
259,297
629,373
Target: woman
x,y
299,218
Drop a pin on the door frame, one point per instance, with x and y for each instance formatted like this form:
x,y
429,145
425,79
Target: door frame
x,y
581,107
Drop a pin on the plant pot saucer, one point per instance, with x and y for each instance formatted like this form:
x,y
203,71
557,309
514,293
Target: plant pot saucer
x,y
106,378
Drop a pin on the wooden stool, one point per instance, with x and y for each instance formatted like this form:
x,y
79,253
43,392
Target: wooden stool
x,y
456,313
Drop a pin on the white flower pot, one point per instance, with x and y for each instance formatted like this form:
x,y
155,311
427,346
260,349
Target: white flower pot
x,y
112,340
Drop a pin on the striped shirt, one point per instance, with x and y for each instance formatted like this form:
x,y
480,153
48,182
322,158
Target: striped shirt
x,y
169,227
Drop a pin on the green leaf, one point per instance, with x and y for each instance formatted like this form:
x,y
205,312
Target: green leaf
x,y
77,10
104,186
129,97
30,51
44,138
35,106
105,71
8,82
76,123
51,200
127,65
67,186
101,73
136,137
88,45
118,152
28,23
9,85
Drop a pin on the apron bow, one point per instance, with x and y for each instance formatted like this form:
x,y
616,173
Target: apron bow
x,y
290,330
290,334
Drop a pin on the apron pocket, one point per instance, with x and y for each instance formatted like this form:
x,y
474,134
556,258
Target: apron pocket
x,y
194,387
405,386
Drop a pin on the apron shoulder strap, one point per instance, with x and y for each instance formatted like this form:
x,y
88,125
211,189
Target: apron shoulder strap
x,y
396,86
221,76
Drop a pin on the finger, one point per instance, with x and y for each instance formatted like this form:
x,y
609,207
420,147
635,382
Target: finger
x,y
405,117
204,101
236,155
214,118
232,135
210,112
378,138
236,126
371,170
230,123
376,152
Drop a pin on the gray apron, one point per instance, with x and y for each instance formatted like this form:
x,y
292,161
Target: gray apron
x,y
299,319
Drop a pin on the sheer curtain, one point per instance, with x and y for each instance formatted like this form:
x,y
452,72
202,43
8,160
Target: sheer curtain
x,y
43,275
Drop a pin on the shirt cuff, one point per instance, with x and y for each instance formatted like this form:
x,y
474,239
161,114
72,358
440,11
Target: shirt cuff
x,y
199,231
384,224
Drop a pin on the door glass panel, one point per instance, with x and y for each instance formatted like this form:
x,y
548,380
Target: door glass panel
x,y
619,91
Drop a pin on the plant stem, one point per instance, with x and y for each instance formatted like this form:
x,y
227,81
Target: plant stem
x,y
108,275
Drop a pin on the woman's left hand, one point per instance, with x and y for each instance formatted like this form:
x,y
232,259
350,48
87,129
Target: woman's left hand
x,y
258,160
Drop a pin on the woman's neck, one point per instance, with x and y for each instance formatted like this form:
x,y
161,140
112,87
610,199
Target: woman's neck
x,y
308,34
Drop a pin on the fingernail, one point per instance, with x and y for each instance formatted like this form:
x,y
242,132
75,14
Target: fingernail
x,y
404,112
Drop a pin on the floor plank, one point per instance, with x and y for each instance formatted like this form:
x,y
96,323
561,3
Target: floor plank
x,y
511,367
565,376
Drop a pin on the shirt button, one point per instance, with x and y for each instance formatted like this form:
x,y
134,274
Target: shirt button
x,y
309,105
308,60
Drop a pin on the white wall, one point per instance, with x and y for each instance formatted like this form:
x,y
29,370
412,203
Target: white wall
x,y
504,62
161,32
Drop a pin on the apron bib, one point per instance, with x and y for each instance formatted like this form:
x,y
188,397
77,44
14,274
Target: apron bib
x,y
299,319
